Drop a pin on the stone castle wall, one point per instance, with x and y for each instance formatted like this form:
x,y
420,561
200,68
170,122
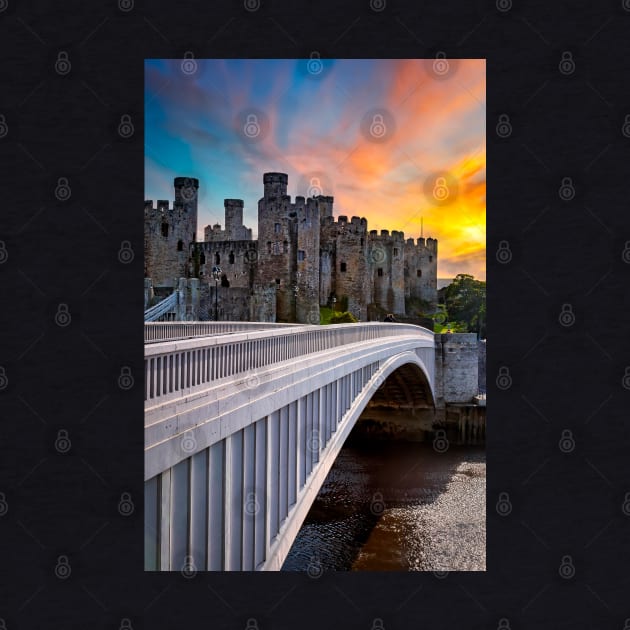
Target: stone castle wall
x,y
303,257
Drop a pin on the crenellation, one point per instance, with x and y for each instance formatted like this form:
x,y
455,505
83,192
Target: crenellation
x,y
303,257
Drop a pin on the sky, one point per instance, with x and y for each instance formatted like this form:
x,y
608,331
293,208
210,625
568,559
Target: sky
x,y
400,142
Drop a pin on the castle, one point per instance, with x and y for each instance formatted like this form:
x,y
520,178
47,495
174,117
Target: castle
x,y
303,258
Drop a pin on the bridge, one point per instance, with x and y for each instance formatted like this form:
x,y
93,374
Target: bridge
x,y
243,421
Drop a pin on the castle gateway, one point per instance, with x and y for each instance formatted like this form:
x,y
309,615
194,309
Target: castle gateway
x,y
303,259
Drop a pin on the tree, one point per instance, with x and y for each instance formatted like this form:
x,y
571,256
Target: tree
x,y
465,302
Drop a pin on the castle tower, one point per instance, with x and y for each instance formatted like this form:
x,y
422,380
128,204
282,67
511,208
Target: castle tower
x,y
233,218
186,194
169,234
277,244
307,260
421,270
386,256
275,184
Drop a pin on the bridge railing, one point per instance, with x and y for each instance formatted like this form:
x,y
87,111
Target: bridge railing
x,y
174,331
174,368
161,308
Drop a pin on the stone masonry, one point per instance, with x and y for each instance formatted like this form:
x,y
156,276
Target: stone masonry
x,y
303,258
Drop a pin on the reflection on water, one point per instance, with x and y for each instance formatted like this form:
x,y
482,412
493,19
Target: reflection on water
x,y
397,506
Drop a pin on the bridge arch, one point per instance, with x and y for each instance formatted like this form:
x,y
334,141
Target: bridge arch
x,y
241,430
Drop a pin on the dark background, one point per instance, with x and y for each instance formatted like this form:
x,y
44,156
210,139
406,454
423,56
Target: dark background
x,y
569,506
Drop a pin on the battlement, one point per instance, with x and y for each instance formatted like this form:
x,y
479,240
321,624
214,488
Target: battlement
x,y
421,243
270,178
230,203
387,236
186,182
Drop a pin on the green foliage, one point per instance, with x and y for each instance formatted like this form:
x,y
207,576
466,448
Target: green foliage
x,y
465,305
325,314
343,318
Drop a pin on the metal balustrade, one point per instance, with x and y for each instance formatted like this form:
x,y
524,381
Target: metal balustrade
x,y
172,331
161,308
197,354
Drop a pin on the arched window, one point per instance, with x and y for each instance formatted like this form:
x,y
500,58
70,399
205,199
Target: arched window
x,y
277,228
217,259
231,258
285,247
269,247
180,245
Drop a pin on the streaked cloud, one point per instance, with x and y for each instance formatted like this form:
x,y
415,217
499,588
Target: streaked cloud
x,y
313,125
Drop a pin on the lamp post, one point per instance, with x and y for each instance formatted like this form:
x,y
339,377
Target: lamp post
x,y
216,274
296,290
334,302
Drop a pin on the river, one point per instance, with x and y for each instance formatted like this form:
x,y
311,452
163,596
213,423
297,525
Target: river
x,y
397,506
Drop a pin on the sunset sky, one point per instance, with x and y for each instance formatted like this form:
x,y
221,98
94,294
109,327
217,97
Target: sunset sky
x,y
375,134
